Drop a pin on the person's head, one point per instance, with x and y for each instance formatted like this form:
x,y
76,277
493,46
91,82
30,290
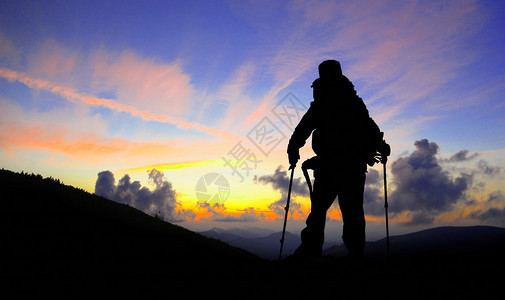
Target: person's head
x,y
329,69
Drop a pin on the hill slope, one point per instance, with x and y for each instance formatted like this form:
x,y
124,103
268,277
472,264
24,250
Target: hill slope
x,y
51,230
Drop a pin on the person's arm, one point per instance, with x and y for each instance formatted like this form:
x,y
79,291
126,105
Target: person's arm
x,y
300,135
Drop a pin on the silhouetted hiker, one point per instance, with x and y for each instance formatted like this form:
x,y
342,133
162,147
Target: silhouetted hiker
x,y
345,139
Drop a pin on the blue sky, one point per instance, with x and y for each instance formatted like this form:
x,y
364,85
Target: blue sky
x,y
88,86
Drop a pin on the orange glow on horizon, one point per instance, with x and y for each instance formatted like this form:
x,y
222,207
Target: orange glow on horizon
x,y
174,166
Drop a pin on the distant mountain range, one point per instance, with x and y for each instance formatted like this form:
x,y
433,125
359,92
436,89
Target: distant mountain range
x,y
435,241
265,246
427,242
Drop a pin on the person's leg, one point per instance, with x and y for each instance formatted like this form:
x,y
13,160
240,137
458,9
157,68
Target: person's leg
x,y
350,199
324,193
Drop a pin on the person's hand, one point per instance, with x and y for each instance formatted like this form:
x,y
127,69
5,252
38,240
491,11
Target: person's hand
x,y
310,164
293,157
385,151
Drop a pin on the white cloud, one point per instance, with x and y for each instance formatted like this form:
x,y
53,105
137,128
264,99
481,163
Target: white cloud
x,y
149,84
161,201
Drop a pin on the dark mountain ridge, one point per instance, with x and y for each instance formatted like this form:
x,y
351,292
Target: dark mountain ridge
x,y
56,238
50,230
435,241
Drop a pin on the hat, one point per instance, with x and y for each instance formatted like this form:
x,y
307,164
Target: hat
x,y
329,69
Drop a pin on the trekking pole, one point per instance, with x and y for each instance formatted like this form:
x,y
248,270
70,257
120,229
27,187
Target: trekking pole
x,y
384,161
309,164
286,209
307,178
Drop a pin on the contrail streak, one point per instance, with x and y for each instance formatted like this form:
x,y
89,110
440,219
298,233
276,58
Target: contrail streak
x,y
73,96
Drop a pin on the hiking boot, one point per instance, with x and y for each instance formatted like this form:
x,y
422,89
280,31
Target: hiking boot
x,y
304,253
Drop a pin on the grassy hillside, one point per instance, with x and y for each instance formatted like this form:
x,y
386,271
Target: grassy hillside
x,y
50,230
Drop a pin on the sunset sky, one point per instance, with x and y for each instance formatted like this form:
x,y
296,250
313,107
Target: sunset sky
x,y
100,93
